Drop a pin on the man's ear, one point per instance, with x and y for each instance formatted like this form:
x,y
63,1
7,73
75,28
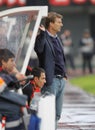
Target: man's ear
x,y
50,23
35,79
2,62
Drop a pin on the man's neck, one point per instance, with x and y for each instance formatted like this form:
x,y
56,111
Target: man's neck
x,y
51,34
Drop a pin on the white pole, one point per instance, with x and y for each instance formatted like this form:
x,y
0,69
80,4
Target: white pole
x,y
46,111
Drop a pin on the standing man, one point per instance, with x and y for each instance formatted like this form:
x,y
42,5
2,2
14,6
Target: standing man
x,y
86,48
51,57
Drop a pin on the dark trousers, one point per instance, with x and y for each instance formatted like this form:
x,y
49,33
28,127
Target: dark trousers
x,y
87,58
70,60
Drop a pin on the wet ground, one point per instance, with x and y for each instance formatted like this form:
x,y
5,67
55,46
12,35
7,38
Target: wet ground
x,y
78,110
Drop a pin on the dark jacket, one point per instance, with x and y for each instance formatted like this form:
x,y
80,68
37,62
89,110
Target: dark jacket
x,y
30,90
46,55
11,102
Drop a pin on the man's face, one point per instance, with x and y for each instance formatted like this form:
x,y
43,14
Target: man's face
x,y
39,82
57,25
9,65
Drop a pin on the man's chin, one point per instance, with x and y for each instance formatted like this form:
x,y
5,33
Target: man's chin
x,y
10,71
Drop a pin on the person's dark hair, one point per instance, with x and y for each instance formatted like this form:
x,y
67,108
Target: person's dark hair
x,y
5,54
36,71
51,18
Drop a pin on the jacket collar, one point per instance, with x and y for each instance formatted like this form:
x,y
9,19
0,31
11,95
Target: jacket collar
x,y
51,34
49,42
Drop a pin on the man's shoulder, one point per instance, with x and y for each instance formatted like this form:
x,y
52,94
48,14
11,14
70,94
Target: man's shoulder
x,y
44,33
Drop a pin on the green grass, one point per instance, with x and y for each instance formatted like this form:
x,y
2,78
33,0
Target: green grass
x,y
87,83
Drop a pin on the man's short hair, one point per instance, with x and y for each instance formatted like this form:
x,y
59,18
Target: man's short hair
x,y
5,54
51,18
36,71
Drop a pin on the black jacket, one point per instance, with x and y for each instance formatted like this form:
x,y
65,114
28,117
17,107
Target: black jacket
x,y
10,102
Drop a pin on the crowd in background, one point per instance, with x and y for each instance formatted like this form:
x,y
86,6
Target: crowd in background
x,y
85,49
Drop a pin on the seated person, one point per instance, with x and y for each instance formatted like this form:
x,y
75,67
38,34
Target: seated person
x,y
38,81
11,109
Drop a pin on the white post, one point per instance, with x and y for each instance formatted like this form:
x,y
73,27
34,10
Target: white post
x,y
46,111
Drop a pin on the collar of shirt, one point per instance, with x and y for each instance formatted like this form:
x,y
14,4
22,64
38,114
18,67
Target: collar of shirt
x,y
1,68
51,34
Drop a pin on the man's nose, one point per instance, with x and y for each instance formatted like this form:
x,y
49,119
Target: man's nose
x,y
44,81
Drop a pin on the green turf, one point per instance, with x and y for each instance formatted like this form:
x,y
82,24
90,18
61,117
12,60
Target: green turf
x,y
85,82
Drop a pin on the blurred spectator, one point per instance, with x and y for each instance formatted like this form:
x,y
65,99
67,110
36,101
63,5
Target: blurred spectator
x,y
68,44
86,48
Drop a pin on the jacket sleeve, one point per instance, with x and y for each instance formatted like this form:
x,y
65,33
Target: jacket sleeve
x,y
14,97
40,42
7,78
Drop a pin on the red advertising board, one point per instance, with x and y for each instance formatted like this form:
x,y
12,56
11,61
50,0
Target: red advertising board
x,y
79,1
59,2
92,1
1,2
21,2
10,3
